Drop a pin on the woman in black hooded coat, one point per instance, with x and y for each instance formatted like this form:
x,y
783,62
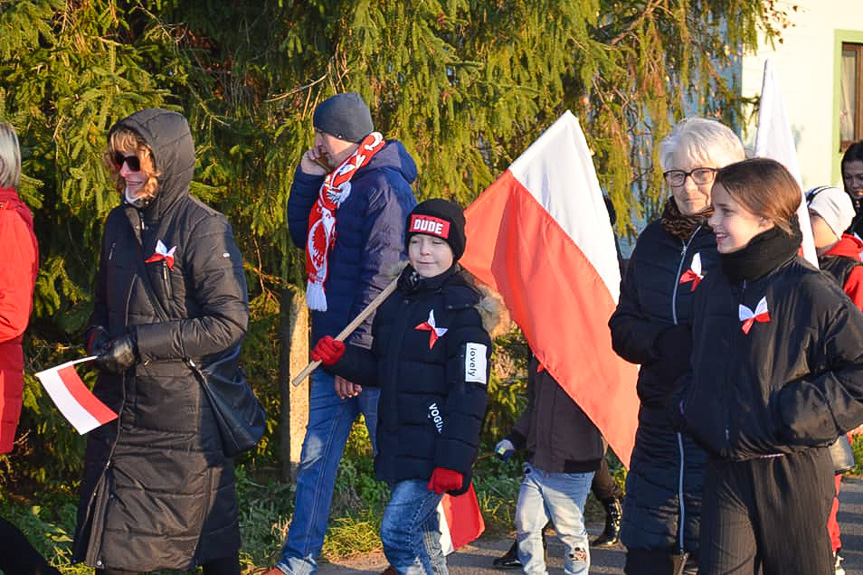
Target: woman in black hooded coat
x,y
158,491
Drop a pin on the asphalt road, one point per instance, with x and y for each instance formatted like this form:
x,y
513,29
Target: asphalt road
x,y
476,558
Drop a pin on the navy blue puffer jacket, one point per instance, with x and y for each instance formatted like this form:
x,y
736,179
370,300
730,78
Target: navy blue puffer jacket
x,y
369,236
656,295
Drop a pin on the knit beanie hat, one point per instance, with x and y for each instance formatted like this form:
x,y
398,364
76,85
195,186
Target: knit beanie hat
x,y
441,218
833,205
344,116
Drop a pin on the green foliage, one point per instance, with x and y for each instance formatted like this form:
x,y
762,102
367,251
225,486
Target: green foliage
x,y
857,447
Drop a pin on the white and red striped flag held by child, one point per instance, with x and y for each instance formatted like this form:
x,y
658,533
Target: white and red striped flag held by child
x,y
77,403
460,520
540,235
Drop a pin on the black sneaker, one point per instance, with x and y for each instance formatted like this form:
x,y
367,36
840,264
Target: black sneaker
x,y
508,560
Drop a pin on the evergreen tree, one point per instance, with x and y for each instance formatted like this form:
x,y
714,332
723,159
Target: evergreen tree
x,y
467,85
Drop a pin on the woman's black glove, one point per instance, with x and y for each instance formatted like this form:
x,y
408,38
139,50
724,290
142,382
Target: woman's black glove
x,y
96,340
119,355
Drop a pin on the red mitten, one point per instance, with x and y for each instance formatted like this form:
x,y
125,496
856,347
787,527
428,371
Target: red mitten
x,y
328,350
443,480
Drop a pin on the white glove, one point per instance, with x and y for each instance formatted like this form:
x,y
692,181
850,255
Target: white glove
x,y
504,449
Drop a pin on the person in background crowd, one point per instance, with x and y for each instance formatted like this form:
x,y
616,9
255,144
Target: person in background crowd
x,y
565,449
347,208
158,491
830,212
430,357
661,511
19,267
852,178
777,375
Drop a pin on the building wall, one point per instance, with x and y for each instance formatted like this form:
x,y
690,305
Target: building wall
x,y
807,64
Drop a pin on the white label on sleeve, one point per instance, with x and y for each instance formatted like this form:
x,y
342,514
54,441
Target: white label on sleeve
x,y
475,363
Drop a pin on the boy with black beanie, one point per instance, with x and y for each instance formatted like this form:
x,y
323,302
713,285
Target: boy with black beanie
x,y
430,357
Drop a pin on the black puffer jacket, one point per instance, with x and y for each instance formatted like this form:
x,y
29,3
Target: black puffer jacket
x,y
557,434
653,299
433,389
157,492
653,304
793,382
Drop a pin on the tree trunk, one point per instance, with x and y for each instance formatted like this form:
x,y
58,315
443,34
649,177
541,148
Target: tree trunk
x,y
294,328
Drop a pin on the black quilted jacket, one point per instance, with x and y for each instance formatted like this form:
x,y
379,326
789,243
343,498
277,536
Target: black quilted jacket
x,y
157,491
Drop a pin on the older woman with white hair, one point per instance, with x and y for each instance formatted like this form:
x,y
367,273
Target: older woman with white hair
x,y
18,268
651,327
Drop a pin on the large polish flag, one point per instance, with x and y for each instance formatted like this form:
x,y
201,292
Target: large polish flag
x,y
77,403
775,140
540,235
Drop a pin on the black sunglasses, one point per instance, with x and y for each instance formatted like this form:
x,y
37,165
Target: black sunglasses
x,y
132,161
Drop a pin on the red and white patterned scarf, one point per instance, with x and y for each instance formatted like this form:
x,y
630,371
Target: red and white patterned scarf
x,y
322,219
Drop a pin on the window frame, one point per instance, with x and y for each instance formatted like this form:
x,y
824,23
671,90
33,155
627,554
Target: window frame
x,y
840,37
858,128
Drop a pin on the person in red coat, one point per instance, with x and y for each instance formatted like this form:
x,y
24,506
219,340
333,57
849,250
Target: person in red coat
x,y
19,265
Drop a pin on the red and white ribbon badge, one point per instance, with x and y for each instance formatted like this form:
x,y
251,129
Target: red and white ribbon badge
x,y
693,274
163,253
748,317
429,325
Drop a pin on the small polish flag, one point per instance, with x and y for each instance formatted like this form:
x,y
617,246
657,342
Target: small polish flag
x,y
460,520
77,403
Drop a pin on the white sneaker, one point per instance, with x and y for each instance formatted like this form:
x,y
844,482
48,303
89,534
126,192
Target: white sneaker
x,y
837,565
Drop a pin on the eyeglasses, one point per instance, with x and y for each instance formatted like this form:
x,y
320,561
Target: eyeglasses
x,y
133,162
700,176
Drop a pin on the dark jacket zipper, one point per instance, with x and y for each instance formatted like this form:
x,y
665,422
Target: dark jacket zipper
x,y
683,251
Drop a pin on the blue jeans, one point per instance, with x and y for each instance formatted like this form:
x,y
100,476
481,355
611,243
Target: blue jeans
x,y
410,530
560,497
330,422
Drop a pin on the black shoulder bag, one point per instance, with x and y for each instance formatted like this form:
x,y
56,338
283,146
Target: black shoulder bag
x,y
239,415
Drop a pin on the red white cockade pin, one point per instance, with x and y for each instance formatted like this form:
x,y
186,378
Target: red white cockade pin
x,y
163,253
429,325
748,317
693,274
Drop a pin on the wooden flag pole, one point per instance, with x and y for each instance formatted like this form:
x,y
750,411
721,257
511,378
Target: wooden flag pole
x,y
349,329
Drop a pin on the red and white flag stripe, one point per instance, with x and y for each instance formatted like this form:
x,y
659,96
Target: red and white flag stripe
x,y
460,520
77,403
540,235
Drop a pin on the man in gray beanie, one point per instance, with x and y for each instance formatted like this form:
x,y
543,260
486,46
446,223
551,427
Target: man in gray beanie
x,y
347,209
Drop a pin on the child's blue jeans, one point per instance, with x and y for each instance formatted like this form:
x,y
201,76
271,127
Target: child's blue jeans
x,y
410,530
559,497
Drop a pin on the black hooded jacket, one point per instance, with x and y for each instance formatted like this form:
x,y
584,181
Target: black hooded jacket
x,y
157,492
